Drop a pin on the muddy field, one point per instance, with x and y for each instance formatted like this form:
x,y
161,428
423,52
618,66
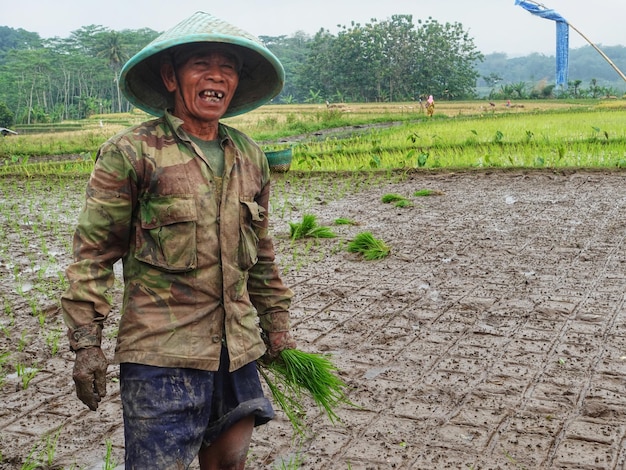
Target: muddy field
x,y
492,337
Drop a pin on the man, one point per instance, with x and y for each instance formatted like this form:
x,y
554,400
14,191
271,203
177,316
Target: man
x,y
183,201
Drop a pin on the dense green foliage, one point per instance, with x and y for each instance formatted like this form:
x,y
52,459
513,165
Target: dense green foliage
x,y
58,79
6,116
392,60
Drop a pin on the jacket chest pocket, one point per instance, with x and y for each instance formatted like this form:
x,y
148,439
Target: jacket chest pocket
x,y
250,214
166,237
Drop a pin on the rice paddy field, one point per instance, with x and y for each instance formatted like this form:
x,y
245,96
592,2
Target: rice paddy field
x,y
487,332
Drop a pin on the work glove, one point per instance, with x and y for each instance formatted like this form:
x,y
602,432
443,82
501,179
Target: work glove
x,y
90,370
276,342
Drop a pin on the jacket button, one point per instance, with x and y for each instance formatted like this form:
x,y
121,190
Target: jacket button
x,y
216,339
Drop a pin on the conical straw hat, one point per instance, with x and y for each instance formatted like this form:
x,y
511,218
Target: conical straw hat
x,y
261,78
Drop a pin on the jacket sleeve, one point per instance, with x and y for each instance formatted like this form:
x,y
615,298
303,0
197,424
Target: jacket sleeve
x,y
101,238
267,291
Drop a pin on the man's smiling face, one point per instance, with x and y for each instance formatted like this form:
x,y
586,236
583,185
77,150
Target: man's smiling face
x,y
203,85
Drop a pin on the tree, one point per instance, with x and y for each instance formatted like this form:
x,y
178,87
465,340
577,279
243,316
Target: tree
x,y
109,45
292,52
392,60
447,58
6,116
17,39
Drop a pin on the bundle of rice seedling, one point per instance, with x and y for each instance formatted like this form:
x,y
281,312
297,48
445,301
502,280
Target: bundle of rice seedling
x,y
309,228
299,374
427,192
371,248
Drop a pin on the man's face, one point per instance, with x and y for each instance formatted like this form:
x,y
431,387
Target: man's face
x,y
204,85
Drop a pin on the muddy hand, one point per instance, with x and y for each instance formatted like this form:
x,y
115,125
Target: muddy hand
x,y
277,342
90,370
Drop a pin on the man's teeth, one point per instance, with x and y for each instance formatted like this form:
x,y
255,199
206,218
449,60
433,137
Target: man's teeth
x,y
213,94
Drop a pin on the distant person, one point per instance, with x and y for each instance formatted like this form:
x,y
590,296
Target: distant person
x,y
183,200
430,106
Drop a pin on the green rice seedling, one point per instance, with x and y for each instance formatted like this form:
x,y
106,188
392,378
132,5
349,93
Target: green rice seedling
x,y
292,462
53,338
387,198
43,452
8,310
397,199
26,374
32,461
109,461
283,396
403,203
309,228
298,374
427,192
370,247
344,221
4,357
50,447
23,342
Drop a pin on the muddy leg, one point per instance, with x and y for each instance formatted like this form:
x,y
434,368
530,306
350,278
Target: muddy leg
x,y
230,450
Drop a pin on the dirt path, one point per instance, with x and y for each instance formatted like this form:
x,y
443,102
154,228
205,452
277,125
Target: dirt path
x,y
493,337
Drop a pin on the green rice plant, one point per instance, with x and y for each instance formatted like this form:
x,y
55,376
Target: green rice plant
x,y
32,461
292,462
26,374
23,341
427,192
50,447
43,452
4,357
299,374
388,198
370,247
309,228
53,338
397,199
109,462
8,310
403,203
344,221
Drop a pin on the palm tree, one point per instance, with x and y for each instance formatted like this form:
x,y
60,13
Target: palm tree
x,y
109,45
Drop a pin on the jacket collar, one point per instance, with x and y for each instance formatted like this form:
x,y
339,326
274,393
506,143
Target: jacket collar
x,y
176,123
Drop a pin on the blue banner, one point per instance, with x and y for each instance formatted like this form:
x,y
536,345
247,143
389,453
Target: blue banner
x,y
562,37
538,10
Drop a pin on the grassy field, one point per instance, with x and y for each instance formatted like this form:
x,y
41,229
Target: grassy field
x,y
377,136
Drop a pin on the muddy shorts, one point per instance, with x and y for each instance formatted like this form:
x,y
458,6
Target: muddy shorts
x,y
170,413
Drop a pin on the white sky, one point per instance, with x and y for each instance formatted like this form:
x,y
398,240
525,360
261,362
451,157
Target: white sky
x,y
495,25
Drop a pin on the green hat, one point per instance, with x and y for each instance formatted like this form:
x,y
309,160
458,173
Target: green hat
x,y
261,78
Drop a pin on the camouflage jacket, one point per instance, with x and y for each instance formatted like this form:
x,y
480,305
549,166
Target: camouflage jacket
x,y
197,271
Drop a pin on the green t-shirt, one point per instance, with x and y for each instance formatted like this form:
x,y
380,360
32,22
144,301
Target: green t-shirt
x,y
214,153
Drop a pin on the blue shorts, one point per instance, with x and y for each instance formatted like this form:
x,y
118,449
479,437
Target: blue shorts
x,y
171,413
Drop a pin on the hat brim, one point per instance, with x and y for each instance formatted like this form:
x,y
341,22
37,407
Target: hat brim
x,y
261,78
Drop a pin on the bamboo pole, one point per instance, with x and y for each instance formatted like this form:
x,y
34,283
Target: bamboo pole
x,y
620,73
